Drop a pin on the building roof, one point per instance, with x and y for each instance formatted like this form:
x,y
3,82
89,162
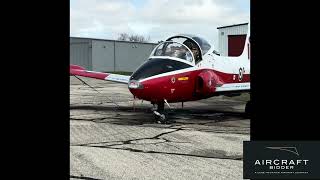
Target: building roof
x,y
113,40
232,25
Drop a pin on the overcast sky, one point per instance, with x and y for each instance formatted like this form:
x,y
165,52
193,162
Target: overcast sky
x,y
159,19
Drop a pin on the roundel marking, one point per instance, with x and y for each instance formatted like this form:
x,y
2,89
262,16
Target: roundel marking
x,y
241,71
173,79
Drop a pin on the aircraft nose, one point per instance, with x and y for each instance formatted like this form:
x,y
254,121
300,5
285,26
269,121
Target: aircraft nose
x,y
137,89
134,84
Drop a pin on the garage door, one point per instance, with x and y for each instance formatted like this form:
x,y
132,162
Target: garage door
x,y
236,44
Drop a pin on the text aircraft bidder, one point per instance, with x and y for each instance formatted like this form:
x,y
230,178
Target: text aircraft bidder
x,y
183,68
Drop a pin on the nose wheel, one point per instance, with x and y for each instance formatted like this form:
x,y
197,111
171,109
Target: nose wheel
x,y
161,118
159,114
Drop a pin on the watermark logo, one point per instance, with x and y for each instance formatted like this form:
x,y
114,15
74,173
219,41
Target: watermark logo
x,y
289,149
279,160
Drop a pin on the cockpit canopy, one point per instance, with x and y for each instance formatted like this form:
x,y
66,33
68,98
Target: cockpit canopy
x,y
175,50
184,46
176,53
203,45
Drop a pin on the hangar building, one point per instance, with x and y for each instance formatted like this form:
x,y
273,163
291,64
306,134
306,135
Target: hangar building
x,y
108,55
232,39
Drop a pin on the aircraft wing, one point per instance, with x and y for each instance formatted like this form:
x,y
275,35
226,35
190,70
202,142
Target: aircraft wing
x,y
76,70
229,87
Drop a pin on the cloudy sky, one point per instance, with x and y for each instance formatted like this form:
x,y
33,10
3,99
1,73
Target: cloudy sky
x,y
159,19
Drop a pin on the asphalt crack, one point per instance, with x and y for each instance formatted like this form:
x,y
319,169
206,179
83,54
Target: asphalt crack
x,y
236,157
156,137
107,145
83,177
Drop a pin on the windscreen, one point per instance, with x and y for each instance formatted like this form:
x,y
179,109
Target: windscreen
x,y
157,66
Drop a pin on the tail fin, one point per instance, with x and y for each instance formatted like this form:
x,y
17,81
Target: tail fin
x,y
246,49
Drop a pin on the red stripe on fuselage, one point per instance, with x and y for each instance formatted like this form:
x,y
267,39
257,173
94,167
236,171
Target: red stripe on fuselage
x,y
231,78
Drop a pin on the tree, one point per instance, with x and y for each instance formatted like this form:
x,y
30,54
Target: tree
x,y
133,37
123,37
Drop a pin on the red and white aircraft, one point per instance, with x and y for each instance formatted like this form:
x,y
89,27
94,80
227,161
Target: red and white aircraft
x,y
183,68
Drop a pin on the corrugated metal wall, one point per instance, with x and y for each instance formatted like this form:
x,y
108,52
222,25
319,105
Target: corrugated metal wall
x,y
223,36
131,55
80,52
103,55
108,55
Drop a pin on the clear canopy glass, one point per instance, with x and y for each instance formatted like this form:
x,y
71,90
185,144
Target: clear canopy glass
x,y
203,44
173,49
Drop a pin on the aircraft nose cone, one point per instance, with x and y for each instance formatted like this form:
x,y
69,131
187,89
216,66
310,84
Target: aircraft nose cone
x,y
133,84
136,88
144,91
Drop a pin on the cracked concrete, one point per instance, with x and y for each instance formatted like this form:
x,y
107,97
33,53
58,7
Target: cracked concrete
x,y
122,142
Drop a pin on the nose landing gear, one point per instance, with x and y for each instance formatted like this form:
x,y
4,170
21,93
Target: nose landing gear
x,y
159,114
161,118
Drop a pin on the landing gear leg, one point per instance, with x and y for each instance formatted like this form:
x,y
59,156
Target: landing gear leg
x,y
160,117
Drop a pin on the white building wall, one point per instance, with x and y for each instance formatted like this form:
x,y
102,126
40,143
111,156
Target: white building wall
x,y
223,36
